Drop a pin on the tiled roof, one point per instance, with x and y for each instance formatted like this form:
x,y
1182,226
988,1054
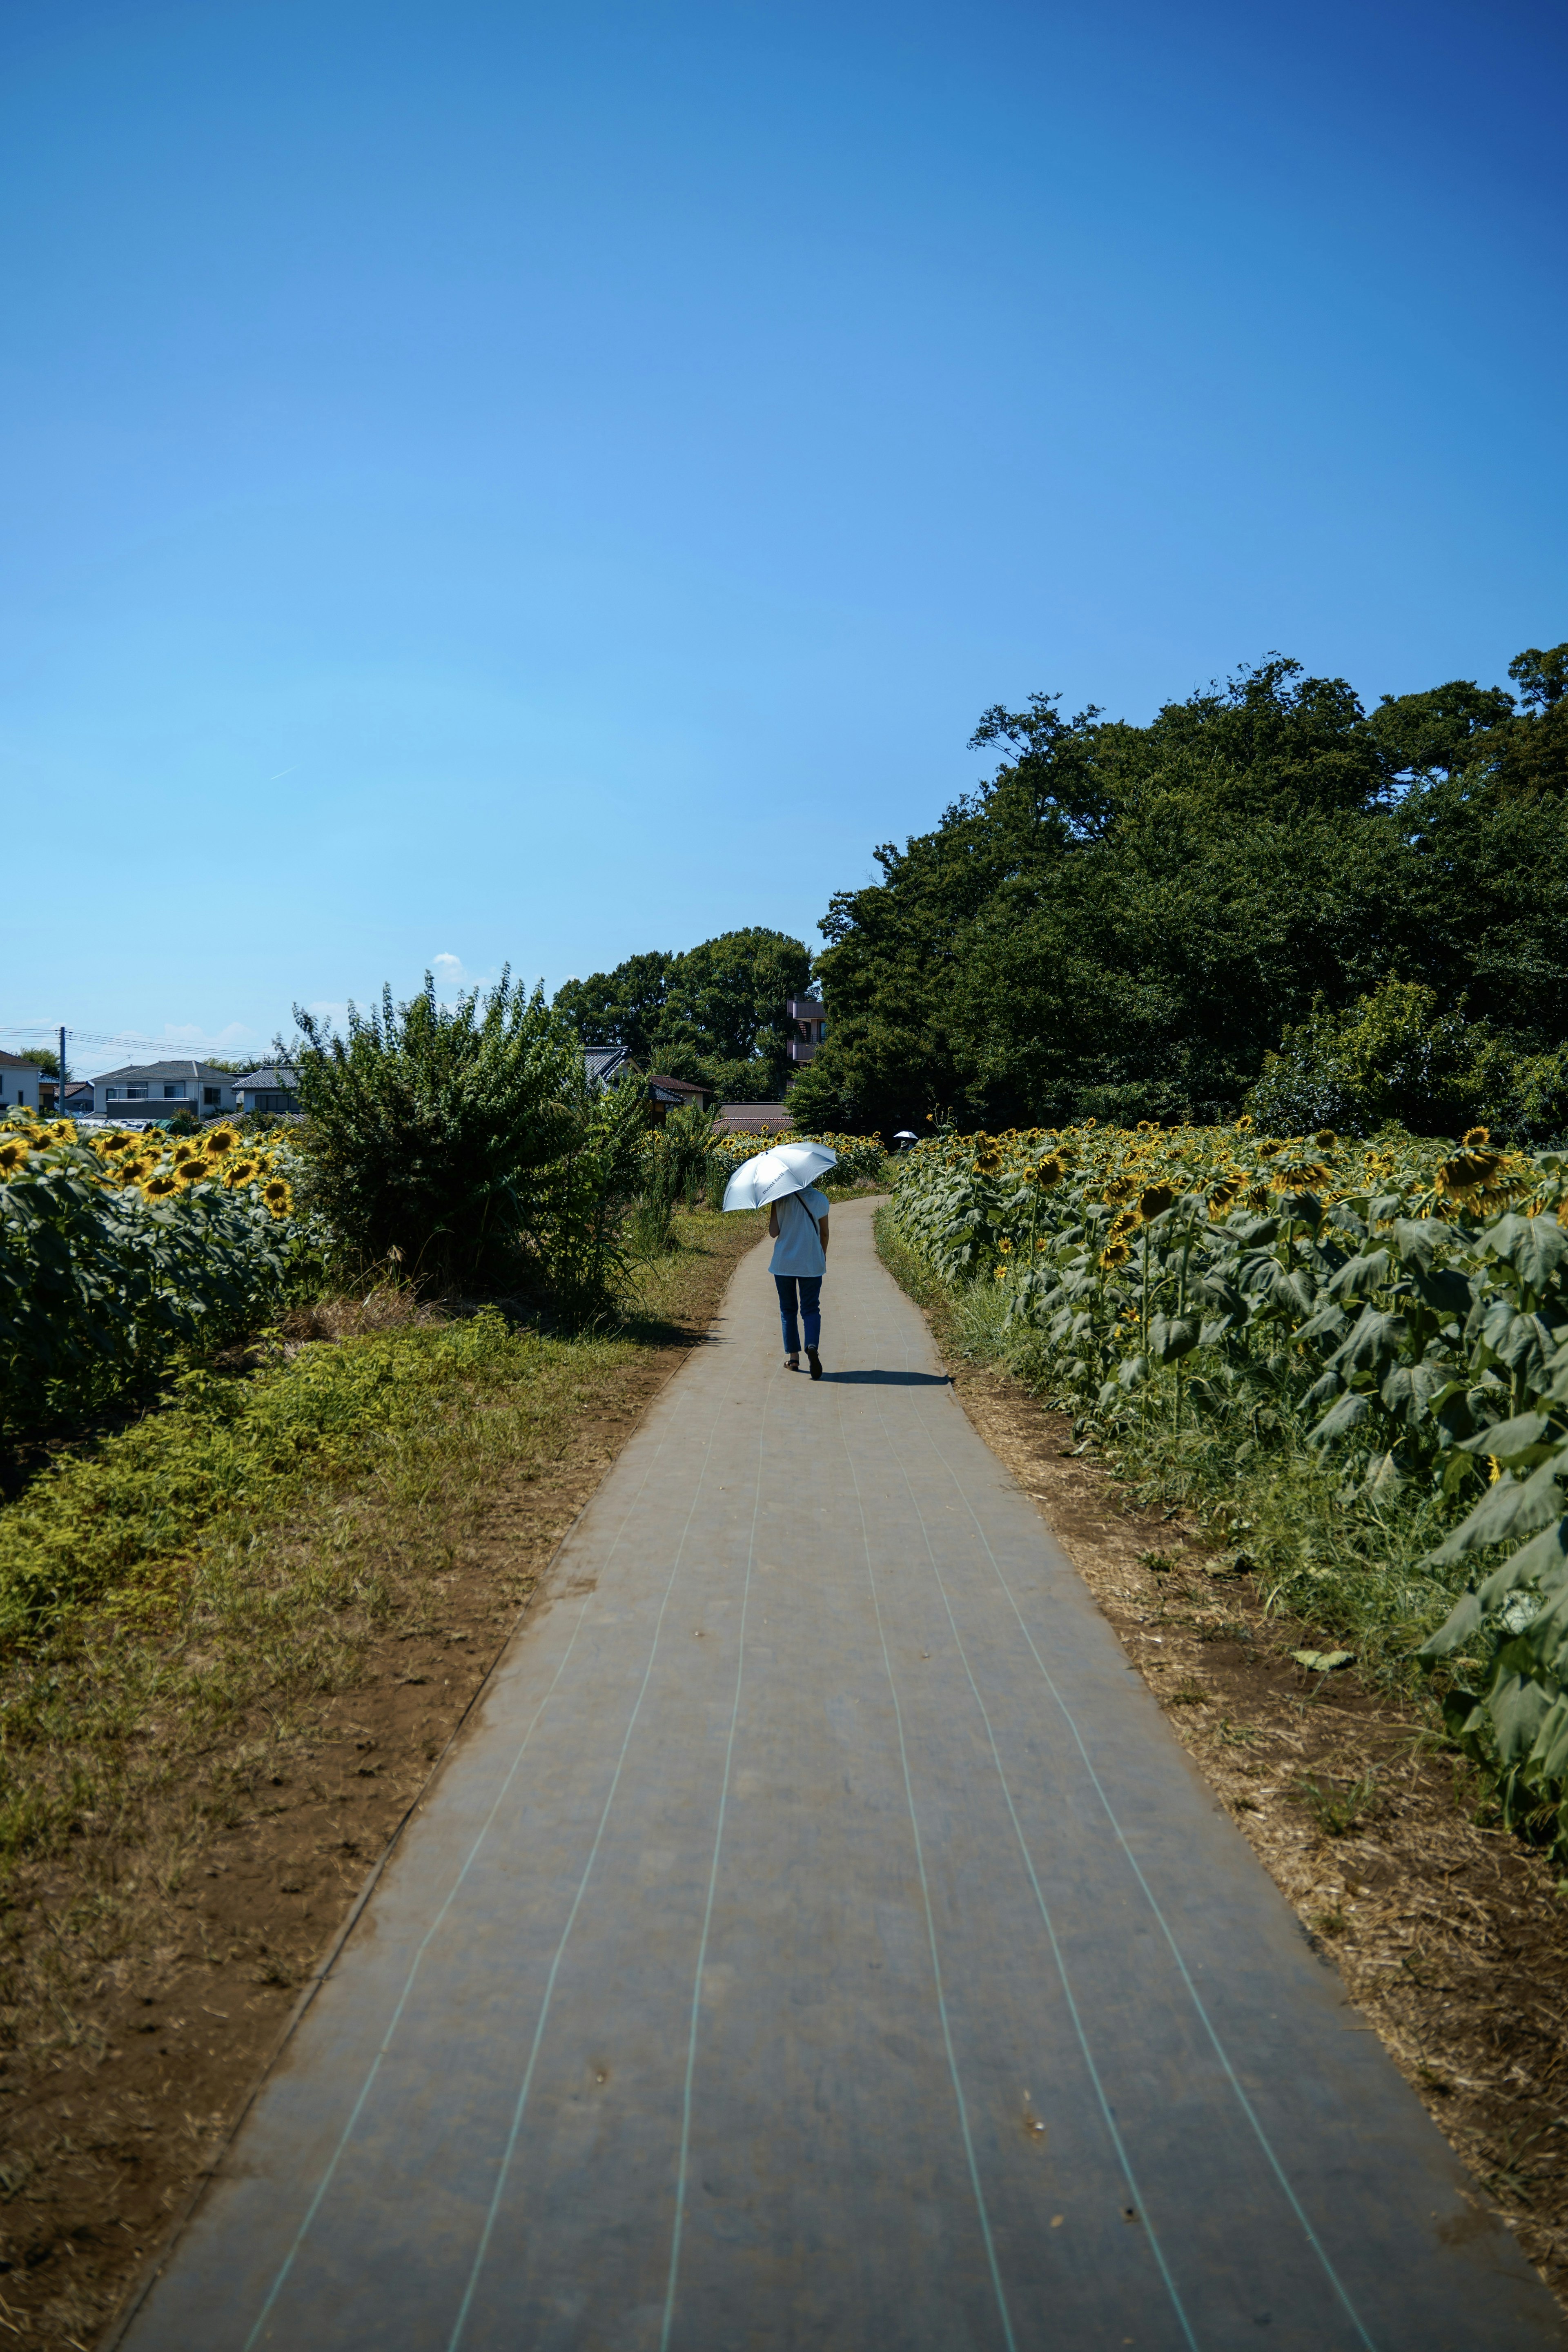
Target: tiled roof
x,y
140,1070
16,1062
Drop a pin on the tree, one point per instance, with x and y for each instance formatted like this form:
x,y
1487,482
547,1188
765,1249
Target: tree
x,y
1125,920
622,1007
715,1015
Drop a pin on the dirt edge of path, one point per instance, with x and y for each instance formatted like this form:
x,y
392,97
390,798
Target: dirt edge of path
x,y
106,2145
1451,1938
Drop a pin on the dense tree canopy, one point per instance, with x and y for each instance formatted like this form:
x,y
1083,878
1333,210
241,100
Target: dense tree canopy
x,y
715,1015
1125,920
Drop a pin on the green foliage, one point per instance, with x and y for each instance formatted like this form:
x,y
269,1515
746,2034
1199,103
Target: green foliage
x,y
122,1518
714,1016
464,1142
99,1286
1364,1354
1394,1059
1125,920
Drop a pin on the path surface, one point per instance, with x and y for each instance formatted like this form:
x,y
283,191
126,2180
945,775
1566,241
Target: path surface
x,y
819,1941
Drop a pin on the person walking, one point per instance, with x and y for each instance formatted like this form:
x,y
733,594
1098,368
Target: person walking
x,y
797,1226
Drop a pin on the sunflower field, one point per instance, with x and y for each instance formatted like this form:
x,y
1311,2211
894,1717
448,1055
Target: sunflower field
x,y
861,1158
118,1245
1393,1313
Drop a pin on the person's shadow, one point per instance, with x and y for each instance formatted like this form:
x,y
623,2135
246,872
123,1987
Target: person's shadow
x,y
890,1379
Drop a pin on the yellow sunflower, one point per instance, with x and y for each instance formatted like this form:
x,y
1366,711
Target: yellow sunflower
x,y
1115,1253
12,1155
219,1141
159,1187
1468,1172
278,1197
240,1172
1474,1136
1153,1201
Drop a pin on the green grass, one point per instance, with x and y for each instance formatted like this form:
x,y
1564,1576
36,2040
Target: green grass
x,y
235,1552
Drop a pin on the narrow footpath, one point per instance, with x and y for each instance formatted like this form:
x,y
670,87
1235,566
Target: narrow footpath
x,y
817,1939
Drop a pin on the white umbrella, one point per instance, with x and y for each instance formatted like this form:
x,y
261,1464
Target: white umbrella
x,y
772,1175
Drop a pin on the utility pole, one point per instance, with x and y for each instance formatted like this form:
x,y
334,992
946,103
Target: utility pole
x,y
61,1103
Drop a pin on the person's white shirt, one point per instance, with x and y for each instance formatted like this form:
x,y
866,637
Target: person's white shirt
x,y
798,1249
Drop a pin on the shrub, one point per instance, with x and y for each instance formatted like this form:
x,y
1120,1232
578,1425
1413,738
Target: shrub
x,y
1394,1059
458,1141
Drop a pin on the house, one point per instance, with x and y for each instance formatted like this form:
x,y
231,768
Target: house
x,y
19,1082
673,1094
605,1065
806,1023
162,1090
754,1119
270,1090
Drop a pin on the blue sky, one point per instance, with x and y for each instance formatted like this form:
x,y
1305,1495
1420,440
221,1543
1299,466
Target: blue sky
x,y
500,484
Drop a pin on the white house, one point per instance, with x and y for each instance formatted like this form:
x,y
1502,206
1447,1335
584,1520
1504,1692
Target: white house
x,y
162,1090
19,1082
271,1089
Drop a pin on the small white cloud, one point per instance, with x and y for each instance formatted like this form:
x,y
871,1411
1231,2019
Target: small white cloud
x,y
448,967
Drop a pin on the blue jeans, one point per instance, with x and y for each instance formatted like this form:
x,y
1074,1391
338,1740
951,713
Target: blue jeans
x,y
810,1288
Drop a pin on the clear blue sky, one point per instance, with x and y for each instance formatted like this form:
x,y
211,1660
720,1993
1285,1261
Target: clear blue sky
x,y
510,484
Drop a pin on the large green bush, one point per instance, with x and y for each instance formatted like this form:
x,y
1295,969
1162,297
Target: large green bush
x,y
1394,1058
466,1143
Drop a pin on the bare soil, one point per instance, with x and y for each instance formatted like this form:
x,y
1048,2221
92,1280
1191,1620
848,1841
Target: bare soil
x,y
108,2133
1450,1934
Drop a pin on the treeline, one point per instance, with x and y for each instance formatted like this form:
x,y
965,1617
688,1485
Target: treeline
x,y
714,1016
1126,921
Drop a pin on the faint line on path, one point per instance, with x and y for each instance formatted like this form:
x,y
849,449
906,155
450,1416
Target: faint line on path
x,y
510,2149
930,1921
1125,2161
708,1908
1220,2051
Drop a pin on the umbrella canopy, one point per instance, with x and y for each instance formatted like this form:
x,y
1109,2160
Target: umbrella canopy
x,y
772,1175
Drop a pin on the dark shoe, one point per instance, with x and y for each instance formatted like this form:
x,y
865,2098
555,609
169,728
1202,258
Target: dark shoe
x,y
815,1360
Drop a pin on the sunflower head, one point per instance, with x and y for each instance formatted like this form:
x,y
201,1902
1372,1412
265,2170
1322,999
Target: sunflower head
x,y
1115,1252
159,1187
277,1196
1005,1246
1476,1135
1049,1173
1326,1140
1468,1171
219,1141
1155,1200
12,1155
191,1171
241,1171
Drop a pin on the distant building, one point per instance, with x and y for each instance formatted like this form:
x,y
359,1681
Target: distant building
x,y
754,1119
19,1083
808,1025
605,1065
272,1090
162,1090
673,1094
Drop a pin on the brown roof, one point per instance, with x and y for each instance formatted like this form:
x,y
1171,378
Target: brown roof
x,y
681,1085
16,1062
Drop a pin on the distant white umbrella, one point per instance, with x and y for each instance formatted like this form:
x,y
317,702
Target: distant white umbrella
x,y
773,1175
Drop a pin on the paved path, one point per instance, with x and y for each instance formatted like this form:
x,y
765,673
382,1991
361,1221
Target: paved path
x,y
819,1941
